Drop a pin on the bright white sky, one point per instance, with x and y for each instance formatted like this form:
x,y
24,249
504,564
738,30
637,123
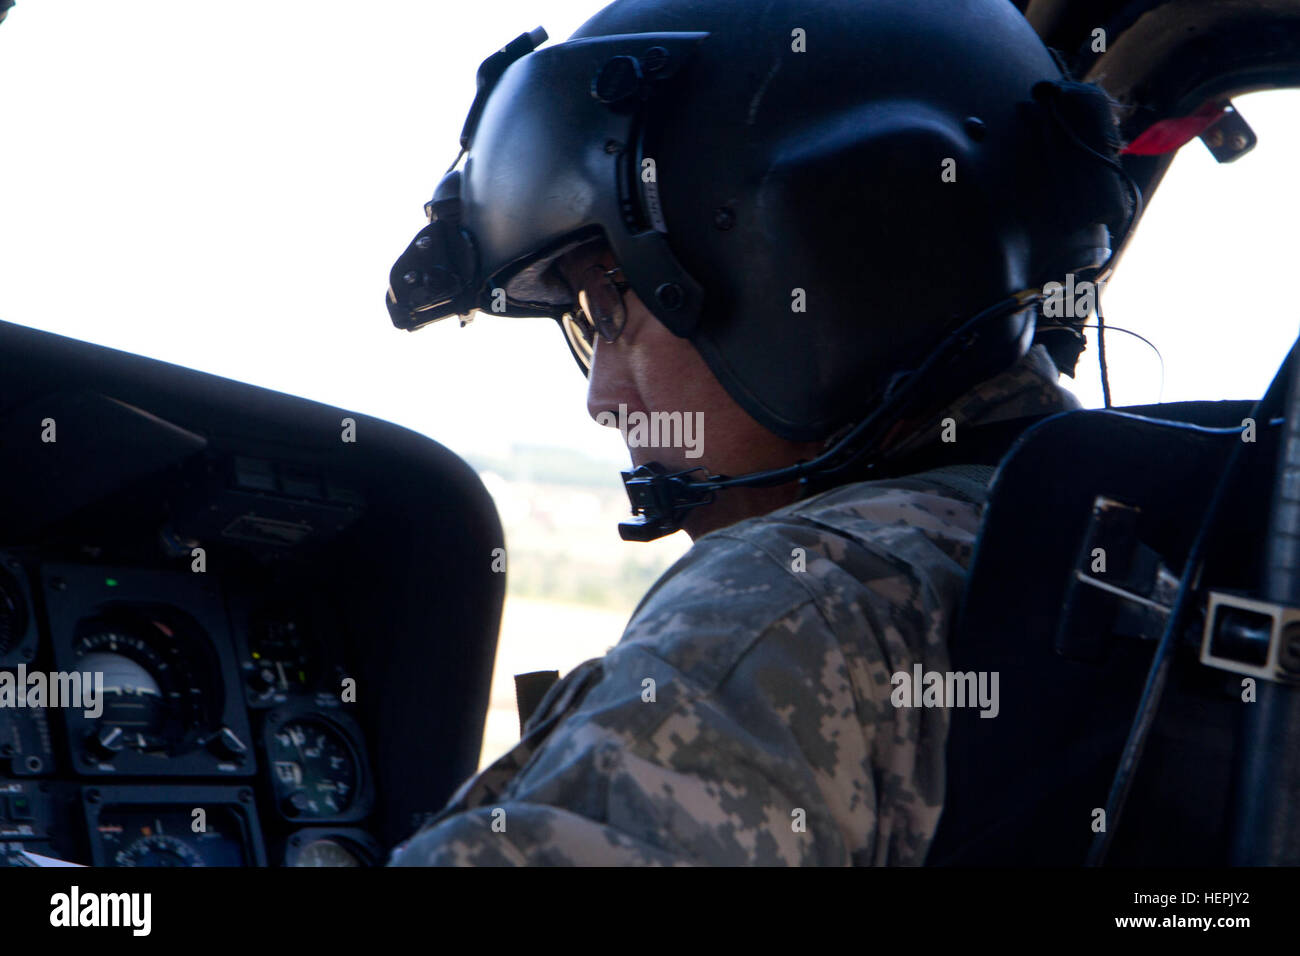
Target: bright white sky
x,y
225,186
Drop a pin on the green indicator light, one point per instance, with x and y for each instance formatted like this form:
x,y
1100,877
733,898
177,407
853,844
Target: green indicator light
x,y
111,582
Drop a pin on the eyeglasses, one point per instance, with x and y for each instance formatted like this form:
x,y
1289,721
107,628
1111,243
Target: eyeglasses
x,y
601,310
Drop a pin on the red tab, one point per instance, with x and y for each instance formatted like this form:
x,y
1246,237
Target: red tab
x,y
1169,135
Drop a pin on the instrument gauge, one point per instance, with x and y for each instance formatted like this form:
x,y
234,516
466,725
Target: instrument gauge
x,y
326,853
332,847
154,701
151,657
282,658
317,766
314,769
148,825
158,850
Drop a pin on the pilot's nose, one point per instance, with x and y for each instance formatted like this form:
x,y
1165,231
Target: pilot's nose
x,y
610,382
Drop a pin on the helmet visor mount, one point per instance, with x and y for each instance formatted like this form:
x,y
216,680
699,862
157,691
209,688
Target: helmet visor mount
x,y
551,163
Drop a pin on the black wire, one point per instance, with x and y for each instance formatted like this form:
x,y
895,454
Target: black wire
x,y
1134,213
1153,690
888,411
897,410
1112,328
1118,328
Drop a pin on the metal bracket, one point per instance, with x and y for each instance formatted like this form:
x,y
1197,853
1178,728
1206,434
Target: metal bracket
x,y
1130,595
1231,137
1252,637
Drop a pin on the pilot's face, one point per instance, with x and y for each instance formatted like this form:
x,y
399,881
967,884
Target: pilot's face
x,y
649,369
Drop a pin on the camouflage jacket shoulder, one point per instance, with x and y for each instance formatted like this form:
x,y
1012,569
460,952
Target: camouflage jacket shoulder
x,y
1030,387
745,715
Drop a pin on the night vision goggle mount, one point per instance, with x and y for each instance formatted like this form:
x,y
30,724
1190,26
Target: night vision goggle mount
x,y
431,276
572,162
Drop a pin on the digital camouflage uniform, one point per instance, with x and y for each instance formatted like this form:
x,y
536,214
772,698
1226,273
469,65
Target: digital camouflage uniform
x,y
771,738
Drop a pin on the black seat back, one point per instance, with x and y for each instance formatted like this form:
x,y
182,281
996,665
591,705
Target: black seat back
x,y
1023,787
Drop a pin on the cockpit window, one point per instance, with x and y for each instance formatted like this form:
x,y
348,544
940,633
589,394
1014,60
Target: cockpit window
x,y
1208,273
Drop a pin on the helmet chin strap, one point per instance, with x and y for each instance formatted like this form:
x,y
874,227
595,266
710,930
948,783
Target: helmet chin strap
x,y
661,499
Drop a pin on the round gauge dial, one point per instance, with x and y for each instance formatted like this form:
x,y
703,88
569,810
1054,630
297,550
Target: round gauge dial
x,y
314,769
163,834
158,850
152,700
326,852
